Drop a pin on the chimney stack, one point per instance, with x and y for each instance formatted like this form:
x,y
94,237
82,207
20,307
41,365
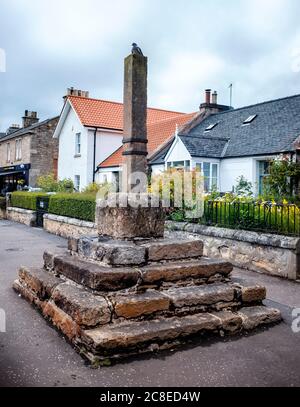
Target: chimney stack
x,y
29,118
13,128
210,105
214,100
207,96
77,92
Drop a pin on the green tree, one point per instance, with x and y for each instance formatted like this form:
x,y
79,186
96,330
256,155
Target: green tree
x,y
283,179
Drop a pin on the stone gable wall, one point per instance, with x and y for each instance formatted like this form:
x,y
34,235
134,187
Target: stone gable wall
x,y
43,151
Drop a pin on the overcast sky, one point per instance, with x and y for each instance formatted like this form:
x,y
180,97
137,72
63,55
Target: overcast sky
x,y
191,45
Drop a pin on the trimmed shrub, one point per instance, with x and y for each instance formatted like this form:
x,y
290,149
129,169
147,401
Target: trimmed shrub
x,y
2,203
26,200
79,206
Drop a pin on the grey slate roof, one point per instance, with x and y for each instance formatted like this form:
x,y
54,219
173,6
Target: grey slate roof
x,y
159,158
273,131
2,135
205,146
25,130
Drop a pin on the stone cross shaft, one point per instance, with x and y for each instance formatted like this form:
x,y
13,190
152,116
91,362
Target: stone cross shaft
x,y
135,124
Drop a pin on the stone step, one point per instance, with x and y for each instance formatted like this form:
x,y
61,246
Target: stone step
x,y
137,305
181,270
94,276
127,338
125,253
39,281
173,249
106,278
259,315
84,307
207,294
249,292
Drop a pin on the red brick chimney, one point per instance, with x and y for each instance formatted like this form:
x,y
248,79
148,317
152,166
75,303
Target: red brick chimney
x,y
211,104
207,96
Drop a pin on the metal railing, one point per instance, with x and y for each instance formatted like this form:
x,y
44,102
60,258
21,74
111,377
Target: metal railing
x,y
265,217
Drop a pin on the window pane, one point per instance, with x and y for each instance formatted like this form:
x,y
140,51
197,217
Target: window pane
x,y
214,170
214,183
206,169
77,147
178,164
206,184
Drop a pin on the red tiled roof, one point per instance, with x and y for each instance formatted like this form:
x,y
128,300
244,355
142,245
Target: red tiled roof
x,y
106,114
158,133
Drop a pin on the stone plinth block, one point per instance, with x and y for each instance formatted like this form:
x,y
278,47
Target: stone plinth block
x,y
129,216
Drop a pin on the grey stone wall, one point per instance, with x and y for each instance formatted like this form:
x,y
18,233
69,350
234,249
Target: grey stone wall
x,y
276,255
68,227
24,216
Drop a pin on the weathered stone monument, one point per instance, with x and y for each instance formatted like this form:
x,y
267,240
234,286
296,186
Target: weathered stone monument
x,y
131,289
133,213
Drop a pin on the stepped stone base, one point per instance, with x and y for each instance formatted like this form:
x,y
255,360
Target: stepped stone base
x,y
111,305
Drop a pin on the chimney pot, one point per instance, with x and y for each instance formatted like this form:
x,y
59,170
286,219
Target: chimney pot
x,y
215,98
207,96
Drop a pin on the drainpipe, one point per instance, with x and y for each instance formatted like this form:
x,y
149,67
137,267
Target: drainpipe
x,y
94,155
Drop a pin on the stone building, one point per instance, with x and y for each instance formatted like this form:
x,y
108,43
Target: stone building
x,y
27,152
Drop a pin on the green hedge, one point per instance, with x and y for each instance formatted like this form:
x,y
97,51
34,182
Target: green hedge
x,y
25,200
2,202
76,205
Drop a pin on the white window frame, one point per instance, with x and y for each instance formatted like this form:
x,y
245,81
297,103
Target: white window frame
x,y
77,182
8,153
173,164
18,151
78,144
211,163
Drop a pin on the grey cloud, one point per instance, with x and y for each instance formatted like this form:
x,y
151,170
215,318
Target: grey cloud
x,y
44,59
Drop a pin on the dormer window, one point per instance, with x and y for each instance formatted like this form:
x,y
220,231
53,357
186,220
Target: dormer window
x,y
211,126
250,119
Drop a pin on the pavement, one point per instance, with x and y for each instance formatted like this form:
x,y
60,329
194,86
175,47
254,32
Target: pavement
x,y
32,353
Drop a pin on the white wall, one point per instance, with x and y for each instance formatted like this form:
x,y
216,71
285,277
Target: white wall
x,y
106,143
232,168
68,165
